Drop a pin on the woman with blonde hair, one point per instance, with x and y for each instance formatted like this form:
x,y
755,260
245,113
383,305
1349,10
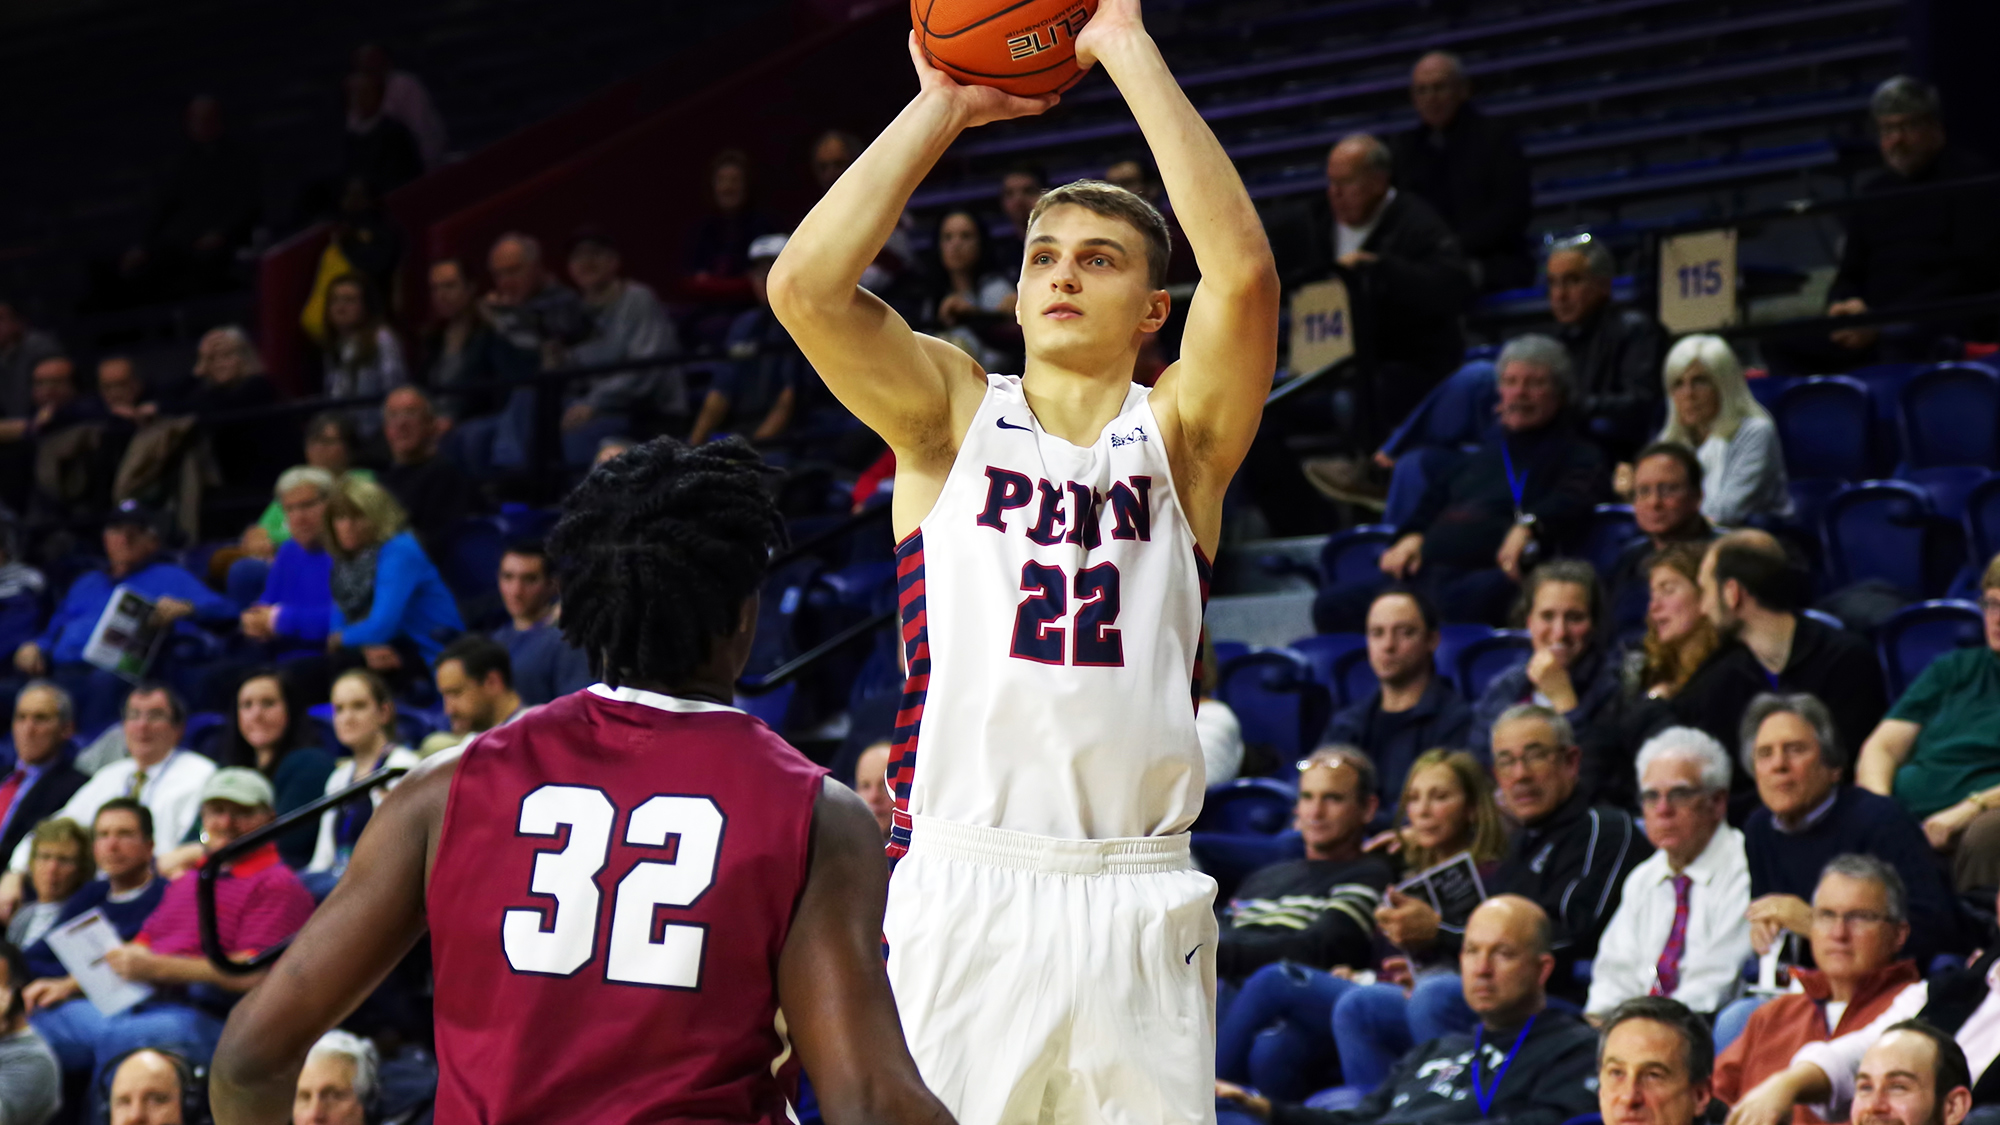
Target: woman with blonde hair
x,y
1710,410
387,596
1447,808
1679,636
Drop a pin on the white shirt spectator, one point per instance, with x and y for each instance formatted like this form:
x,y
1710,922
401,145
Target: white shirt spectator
x,y
1221,736
1718,929
1745,475
172,794
326,853
1346,239
1978,1037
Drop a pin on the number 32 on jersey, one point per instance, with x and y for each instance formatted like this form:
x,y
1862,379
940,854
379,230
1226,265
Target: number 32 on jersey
x,y
561,940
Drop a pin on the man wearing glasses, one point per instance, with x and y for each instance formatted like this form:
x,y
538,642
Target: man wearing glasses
x,y
1681,930
1934,751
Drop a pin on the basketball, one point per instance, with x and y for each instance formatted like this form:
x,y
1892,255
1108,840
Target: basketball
x,y
1025,47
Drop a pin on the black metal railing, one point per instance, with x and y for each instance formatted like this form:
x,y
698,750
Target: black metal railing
x,y
211,934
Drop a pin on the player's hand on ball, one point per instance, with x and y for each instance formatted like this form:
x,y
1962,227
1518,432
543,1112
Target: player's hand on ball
x,y
1113,20
980,104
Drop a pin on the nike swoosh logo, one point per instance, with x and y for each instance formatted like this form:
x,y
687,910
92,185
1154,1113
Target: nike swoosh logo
x,y
1006,425
1190,957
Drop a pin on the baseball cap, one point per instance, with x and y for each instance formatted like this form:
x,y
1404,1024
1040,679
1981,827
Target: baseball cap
x,y
131,513
239,786
766,247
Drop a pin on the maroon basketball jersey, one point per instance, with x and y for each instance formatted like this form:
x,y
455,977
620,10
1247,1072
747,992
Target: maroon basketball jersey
x,y
614,882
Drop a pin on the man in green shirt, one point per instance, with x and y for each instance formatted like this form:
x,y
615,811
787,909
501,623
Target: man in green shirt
x,y
1938,751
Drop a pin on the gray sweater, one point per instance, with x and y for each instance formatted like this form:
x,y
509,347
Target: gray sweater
x,y
30,1079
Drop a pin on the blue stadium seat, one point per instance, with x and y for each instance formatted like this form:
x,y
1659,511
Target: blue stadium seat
x,y
1982,520
1612,528
1260,805
1324,652
471,563
1921,633
1885,530
1482,661
522,522
1354,678
1352,555
1453,640
201,725
1227,857
1951,416
1277,700
1413,473
1949,486
1823,424
771,706
1453,415
1226,651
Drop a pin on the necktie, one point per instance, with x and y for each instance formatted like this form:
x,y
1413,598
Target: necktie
x,y
1667,976
10,789
138,783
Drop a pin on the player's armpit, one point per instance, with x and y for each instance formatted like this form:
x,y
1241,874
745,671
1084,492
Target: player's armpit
x,y
831,981
370,922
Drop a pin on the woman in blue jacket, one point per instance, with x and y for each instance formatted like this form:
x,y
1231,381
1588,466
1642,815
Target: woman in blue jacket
x,y
389,602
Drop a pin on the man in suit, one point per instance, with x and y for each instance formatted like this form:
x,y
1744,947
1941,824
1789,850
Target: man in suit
x,y
41,780
1470,168
1408,285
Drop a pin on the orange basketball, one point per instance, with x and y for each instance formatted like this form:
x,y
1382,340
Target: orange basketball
x,y
1025,47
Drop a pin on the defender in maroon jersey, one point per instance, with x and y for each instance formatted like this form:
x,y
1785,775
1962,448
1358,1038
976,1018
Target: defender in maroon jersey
x,y
641,901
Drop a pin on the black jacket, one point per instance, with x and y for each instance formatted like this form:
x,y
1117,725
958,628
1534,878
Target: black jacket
x,y
1616,355
1547,1083
1313,911
436,493
1406,304
47,798
1474,175
1836,666
1573,863
1922,249
1395,739
1954,995
1467,511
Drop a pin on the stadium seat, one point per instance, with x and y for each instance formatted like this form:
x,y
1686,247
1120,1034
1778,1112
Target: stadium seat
x,y
1482,661
1413,473
471,563
1453,640
1324,651
1951,416
1259,805
1612,528
202,725
1352,555
1982,520
1454,415
1353,678
1921,633
1823,425
1885,530
1277,699
1226,651
1227,857
1949,486
1824,618
522,522
771,706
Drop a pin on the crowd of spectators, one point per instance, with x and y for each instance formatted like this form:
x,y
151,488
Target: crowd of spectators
x,y
1684,776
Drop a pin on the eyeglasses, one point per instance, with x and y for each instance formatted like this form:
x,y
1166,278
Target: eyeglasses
x,y
1679,797
1663,491
1532,756
1831,918
150,715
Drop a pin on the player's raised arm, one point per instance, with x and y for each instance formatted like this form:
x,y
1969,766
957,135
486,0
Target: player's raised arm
x,y
1231,342
831,983
893,379
366,927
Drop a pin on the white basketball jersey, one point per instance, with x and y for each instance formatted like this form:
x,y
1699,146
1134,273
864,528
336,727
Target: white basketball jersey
x,y
1051,615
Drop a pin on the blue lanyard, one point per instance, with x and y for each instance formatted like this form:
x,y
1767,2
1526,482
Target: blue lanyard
x,y
1485,1097
1770,676
1515,485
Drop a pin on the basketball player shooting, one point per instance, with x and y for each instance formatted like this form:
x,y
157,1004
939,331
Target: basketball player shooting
x,y
640,900
1051,945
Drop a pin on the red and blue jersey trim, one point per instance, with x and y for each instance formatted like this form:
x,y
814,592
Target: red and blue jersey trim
x,y
915,625
1206,573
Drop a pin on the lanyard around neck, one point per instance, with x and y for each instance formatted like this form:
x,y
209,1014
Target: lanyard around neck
x,y
1485,1097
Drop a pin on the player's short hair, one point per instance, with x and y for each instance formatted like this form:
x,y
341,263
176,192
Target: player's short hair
x,y
480,656
1114,202
1697,1042
656,552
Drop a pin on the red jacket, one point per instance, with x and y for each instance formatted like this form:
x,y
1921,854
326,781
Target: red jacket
x,y
1779,1028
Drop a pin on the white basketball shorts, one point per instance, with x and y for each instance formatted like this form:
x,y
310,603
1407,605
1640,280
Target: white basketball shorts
x,y
1056,981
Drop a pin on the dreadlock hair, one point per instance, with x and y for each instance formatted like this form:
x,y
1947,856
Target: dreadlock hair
x,y
656,552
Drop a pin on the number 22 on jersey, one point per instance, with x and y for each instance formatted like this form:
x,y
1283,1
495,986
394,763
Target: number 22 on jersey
x,y
569,877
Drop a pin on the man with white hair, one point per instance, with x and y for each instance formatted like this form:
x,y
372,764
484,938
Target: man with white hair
x,y
1681,930
1482,523
341,1082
